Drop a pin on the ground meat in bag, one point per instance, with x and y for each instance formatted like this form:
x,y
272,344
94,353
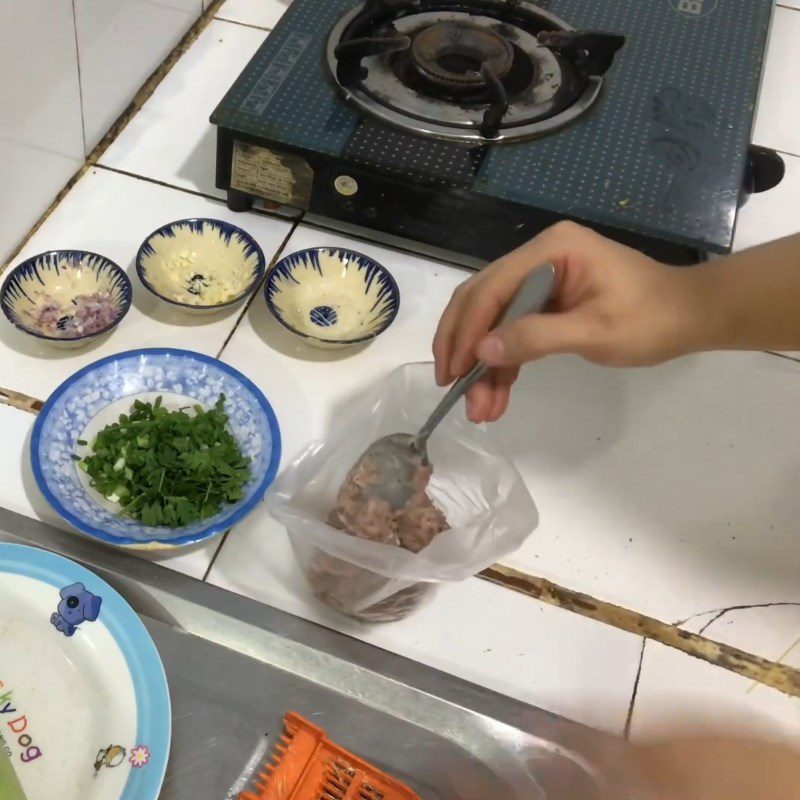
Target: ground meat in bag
x,y
360,514
365,516
386,562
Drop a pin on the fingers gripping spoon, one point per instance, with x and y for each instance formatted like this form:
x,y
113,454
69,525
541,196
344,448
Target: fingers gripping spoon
x,y
393,461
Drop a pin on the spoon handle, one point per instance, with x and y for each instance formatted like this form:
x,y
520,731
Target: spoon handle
x,y
531,297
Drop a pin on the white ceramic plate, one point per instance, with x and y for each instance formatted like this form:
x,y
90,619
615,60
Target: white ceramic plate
x,y
84,704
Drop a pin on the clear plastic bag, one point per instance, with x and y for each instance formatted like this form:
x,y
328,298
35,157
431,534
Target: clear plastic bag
x,y
488,507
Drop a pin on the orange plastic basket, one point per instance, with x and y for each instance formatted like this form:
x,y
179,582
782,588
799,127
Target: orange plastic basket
x,y
306,765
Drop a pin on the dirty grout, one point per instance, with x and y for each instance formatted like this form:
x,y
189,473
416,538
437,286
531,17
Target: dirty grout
x,y
784,678
141,97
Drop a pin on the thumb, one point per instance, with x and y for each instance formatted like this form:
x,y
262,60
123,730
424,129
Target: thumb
x,y
532,337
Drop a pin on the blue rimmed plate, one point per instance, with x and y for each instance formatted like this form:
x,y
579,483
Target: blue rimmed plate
x,y
200,265
84,701
96,396
332,297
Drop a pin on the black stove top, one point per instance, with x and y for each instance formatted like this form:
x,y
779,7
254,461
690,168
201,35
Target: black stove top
x,y
473,124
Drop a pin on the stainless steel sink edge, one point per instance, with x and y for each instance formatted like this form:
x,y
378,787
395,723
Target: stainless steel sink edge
x,y
522,743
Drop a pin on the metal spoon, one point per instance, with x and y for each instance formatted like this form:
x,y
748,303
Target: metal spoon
x,y
397,458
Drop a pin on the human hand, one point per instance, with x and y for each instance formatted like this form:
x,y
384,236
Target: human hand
x,y
698,759
611,304
710,767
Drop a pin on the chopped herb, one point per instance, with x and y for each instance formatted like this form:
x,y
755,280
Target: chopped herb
x,y
168,468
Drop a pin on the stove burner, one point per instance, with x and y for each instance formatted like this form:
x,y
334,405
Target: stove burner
x,y
452,54
502,70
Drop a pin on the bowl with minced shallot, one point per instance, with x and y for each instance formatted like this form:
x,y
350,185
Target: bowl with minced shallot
x,y
66,298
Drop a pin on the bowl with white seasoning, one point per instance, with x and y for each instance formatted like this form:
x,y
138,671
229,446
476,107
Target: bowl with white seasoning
x,y
200,265
332,297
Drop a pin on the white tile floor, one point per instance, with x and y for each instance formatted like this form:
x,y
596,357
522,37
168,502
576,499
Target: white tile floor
x,y
676,690
551,658
171,139
772,215
37,157
112,214
776,124
668,490
111,70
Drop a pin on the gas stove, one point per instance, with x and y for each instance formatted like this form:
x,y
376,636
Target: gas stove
x,y
471,125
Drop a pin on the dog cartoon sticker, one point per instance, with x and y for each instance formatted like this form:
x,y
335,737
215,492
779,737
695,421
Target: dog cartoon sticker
x,y
77,605
111,756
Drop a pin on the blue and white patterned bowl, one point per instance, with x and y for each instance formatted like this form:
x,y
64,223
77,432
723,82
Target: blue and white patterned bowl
x,y
95,397
200,265
67,298
332,297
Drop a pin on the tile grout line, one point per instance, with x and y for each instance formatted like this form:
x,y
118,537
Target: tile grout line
x,y
213,561
272,263
781,658
157,182
22,402
264,212
140,98
243,24
80,77
783,356
784,678
257,291
629,720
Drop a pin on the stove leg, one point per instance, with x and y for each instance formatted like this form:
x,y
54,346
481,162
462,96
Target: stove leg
x,y
239,201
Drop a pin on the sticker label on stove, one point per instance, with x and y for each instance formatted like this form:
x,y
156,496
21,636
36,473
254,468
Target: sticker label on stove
x,y
275,74
694,9
284,178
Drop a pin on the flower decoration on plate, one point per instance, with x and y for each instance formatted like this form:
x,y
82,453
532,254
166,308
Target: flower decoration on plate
x,y
67,298
332,297
140,755
200,265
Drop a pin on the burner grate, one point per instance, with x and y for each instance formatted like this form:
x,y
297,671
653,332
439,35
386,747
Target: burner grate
x,y
486,71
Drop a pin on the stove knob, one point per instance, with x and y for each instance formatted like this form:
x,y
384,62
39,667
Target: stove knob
x,y
345,185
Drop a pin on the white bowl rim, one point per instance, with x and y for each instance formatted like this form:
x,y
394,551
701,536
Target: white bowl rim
x,y
29,261
260,272
360,340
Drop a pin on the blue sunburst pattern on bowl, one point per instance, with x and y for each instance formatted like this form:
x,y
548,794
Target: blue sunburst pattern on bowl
x,y
200,264
332,297
66,296
112,384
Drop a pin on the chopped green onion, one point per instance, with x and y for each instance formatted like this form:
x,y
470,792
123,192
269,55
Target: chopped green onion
x,y
168,468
